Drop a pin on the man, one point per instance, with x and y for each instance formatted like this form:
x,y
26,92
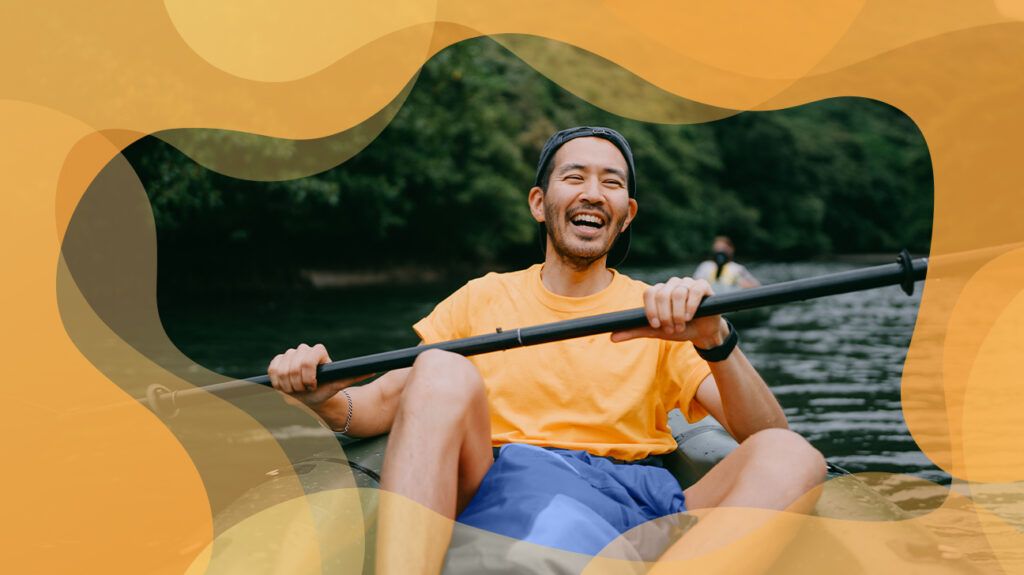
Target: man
x,y
721,269
600,400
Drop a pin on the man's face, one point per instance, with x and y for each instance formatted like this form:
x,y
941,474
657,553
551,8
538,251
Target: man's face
x,y
587,203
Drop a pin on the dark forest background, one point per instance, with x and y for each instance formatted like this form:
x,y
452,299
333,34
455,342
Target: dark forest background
x,y
444,186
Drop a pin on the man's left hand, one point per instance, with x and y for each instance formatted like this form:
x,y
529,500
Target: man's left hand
x,y
670,307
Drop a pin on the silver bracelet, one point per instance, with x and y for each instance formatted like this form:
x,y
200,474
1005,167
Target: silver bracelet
x,y
348,418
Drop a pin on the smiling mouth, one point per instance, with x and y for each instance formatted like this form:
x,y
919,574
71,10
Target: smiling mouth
x,y
587,221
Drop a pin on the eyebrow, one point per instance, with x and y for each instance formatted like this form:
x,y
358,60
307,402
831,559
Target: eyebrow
x,y
570,167
617,172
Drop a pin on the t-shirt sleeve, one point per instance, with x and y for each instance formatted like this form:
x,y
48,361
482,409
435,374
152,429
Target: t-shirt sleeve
x,y
687,370
449,320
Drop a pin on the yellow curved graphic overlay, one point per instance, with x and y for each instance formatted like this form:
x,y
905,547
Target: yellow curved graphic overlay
x,y
96,481
277,41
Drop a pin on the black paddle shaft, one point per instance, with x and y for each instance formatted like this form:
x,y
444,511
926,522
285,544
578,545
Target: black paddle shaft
x,y
903,273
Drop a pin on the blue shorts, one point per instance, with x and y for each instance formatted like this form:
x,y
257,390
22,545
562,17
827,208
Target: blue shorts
x,y
569,500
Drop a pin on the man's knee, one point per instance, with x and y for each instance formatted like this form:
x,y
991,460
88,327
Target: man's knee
x,y
440,378
795,458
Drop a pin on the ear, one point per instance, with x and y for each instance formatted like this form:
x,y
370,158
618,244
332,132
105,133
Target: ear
x,y
536,199
633,207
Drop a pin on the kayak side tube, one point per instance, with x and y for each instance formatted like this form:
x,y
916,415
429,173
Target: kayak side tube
x,y
701,446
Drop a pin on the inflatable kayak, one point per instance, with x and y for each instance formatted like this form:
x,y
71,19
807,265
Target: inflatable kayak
x,y
701,446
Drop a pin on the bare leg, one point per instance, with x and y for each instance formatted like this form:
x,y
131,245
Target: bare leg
x,y
438,453
774,469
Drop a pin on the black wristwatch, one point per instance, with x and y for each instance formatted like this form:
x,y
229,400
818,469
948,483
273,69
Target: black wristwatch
x,y
721,352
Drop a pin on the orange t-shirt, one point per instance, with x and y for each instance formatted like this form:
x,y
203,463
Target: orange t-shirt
x,y
587,393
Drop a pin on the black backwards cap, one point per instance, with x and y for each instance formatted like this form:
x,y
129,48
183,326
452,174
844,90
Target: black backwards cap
x,y
621,246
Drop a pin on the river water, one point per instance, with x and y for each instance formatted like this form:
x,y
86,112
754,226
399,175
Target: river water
x,y
834,363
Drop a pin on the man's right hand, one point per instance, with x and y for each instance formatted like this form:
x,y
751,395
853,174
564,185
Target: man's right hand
x,y
294,372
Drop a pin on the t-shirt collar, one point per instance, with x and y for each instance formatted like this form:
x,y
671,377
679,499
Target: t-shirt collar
x,y
572,304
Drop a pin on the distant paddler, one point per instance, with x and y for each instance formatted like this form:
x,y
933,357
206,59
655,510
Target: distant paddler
x,y
722,270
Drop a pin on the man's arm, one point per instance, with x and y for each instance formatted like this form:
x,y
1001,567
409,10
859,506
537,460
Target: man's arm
x,y
373,406
739,398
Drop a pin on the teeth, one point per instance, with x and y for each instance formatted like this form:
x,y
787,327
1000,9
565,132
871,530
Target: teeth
x,y
587,218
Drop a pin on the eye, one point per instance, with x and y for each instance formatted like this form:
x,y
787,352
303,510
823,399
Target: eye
x,y
574,177
613,183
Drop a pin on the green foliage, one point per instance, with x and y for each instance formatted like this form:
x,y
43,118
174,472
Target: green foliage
x,y
446,182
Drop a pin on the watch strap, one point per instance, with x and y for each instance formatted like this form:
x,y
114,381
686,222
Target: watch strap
x,y
721,352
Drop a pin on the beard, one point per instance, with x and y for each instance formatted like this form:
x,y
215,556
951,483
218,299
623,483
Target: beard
x,y
577,253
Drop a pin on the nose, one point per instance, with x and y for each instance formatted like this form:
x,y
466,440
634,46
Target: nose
x,y
592,191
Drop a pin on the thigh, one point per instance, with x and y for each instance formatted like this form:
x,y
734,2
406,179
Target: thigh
x,y
440,441
475,454
770,469
711,489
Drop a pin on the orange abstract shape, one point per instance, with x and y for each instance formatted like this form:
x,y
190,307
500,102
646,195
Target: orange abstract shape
x,y
83,487
322,532
277,41
774,39
252,157
81,82
991,309
606,84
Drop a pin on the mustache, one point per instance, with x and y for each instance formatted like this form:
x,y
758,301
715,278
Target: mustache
x,y
604,213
